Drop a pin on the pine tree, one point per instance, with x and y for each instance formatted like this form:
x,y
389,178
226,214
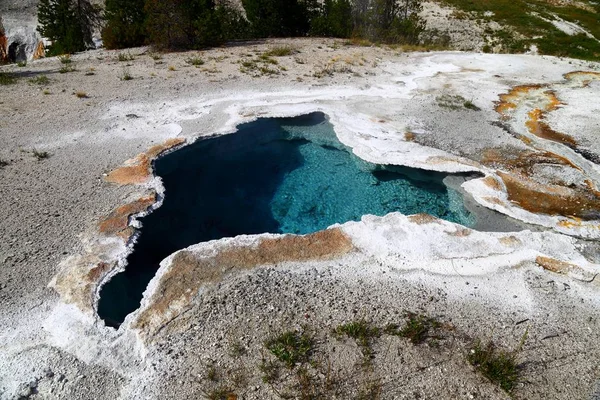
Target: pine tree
x,y
124,24
277,18
68,24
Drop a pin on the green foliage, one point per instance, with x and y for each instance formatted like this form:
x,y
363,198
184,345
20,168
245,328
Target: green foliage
x,y
362,331
65,59
7,78
68,24
498,366
417,328
280,51
40,80
195,61
40,155
125,57
124,24
291,347
334,19
187,24
276,18
22,64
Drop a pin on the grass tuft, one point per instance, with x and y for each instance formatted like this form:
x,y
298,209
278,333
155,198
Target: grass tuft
x,y
221,393
126,76
291,347
125,57
66,69
40,80
417,328
65,59
22,64
500,367
281,51
195,61
7,78
81,95
40,155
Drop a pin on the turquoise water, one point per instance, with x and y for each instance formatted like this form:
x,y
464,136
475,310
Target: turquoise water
x,y
286,175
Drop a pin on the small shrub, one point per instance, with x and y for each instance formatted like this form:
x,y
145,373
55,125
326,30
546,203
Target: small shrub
x,y
281,51
270,371
267,59
40,155
417,328
65,59
126,76
81,95
46,92
195,61
66,69
7,78
156,56
362,331
500,367
22,64
172,68
125,57
291,347
40,80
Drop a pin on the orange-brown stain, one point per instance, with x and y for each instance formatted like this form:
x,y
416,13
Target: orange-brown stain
x,y
138,170
189,272
541,129
117,222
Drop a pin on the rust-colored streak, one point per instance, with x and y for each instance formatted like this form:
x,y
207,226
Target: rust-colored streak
x,y
189,272
522,161
565,268
40,51
77,285
509,101
409,136
541,129
493,183
422,219
586,77
551,199
138,170
510,241
117,222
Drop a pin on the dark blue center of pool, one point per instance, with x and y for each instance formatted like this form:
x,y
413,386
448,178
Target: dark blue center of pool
x,y
286,175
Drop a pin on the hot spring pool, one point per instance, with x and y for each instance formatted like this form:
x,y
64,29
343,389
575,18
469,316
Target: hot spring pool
x,y
278,175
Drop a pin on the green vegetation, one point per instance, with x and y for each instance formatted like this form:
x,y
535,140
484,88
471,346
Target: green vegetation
x,y
362,331
40,80
126,76
68,24
125,57
7,78
280,51
124,24
221,393
195,61
291,347
455,102
40,155
498,366
65,59
527,23
417,328
22,64
67,69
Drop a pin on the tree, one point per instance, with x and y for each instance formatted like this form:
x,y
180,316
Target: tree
x,y
185,24
124,24
333,19
277,18
68,24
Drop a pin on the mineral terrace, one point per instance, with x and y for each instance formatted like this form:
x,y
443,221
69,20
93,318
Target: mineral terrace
x,y
524,277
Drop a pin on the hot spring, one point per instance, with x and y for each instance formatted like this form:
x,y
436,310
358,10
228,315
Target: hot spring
x,y
277,175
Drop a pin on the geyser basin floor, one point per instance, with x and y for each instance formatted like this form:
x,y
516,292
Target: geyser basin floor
x,y
288,175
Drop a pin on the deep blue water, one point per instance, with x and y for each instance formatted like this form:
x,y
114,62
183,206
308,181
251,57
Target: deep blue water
x,y
286,175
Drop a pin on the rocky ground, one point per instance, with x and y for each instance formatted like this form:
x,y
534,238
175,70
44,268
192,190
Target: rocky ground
x,y
66,125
